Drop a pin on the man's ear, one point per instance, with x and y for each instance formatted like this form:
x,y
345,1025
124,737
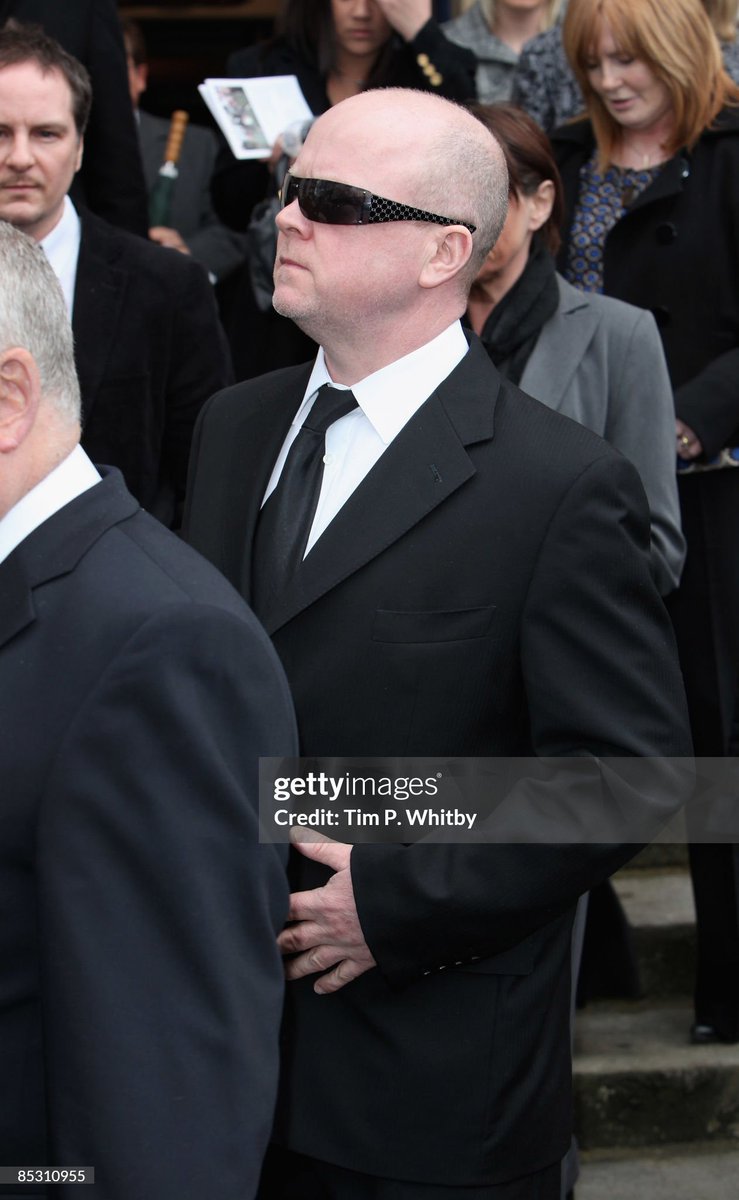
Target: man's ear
x,y
80,153
448,254
20,396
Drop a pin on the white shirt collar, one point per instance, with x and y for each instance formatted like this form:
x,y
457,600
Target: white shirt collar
x,y
389,397
73,476
62,248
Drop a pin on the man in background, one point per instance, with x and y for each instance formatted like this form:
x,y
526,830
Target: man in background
x,y
111,181
194,227
148,342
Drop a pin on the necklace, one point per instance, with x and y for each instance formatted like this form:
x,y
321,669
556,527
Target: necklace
x,y
639,159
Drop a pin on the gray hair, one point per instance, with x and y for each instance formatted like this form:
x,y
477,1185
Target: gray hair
x,y
33,315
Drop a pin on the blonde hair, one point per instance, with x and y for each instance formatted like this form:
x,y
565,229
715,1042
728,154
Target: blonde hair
x,y
551,12
675,40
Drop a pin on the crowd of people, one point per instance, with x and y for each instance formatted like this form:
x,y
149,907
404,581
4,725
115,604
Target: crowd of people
x,y
468,491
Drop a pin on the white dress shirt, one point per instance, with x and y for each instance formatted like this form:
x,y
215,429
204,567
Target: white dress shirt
x,y
387,400
62,248
73,476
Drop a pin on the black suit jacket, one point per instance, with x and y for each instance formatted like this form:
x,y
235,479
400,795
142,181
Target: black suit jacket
x,y
140,985
485,591
149,350
111,180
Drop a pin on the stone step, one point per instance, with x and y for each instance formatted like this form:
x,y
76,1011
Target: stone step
x,y
638,1081
660,854
658,902
704,1172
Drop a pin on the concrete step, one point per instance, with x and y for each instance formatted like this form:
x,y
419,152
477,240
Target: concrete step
x,y
658,902
660,854
638,1081
705,1172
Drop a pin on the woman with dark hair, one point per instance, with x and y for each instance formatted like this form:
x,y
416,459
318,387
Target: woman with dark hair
x,y
651,181
596,360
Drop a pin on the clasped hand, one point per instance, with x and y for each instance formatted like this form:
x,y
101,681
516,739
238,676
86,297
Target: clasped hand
x,y
325,931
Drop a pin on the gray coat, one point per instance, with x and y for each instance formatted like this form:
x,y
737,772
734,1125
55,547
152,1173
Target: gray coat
x,y
600,361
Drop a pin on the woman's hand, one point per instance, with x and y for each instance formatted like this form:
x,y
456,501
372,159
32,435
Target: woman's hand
x,y
407,17
688,445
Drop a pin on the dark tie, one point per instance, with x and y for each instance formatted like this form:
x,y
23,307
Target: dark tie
x,y
287,515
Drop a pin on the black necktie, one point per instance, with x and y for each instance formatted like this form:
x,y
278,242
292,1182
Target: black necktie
x,y
287,515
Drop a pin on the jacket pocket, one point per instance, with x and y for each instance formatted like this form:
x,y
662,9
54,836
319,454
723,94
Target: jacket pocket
x,y
462,624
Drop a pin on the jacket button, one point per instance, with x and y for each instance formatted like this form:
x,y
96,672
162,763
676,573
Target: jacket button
x,y
666,233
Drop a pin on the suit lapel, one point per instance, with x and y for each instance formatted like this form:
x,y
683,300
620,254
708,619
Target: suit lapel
x,y
16,602
422,467
56,546
560,347
98,297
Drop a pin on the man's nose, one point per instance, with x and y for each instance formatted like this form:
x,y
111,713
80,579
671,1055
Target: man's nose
x,y
19,154
291,218
362,9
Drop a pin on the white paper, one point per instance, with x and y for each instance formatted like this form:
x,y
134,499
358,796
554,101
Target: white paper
x,y
253,112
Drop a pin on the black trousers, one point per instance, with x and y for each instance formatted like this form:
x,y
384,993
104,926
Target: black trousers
x,y
289,1176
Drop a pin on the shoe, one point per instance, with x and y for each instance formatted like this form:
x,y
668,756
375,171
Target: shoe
x,y
702,1035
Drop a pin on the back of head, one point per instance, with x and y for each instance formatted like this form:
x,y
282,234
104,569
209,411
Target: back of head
x,y
674,39
33,316
28,43
529,159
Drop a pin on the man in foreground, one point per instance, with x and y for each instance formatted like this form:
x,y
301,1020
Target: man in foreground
x,y
472,580
140,983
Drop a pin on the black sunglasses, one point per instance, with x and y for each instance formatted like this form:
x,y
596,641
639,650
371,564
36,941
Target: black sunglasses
x,y
333,203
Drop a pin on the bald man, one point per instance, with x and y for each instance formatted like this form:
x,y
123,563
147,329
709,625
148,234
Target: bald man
x,y
473,581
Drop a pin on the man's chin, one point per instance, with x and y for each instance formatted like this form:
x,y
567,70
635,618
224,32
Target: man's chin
x,y
292,308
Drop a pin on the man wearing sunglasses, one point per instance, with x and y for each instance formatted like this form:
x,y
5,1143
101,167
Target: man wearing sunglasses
x,y
453,571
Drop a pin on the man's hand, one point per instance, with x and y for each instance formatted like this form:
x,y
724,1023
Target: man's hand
x,y
164,236
407,17
326,932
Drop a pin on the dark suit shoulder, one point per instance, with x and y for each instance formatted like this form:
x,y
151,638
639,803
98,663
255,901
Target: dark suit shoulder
x,y
137,255
546,443
287,384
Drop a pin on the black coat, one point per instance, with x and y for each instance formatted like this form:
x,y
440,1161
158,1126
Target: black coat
x,y
150,351
676,252
140,985
456,610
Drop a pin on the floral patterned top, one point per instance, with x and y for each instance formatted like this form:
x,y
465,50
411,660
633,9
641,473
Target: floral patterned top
x,y
602,201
